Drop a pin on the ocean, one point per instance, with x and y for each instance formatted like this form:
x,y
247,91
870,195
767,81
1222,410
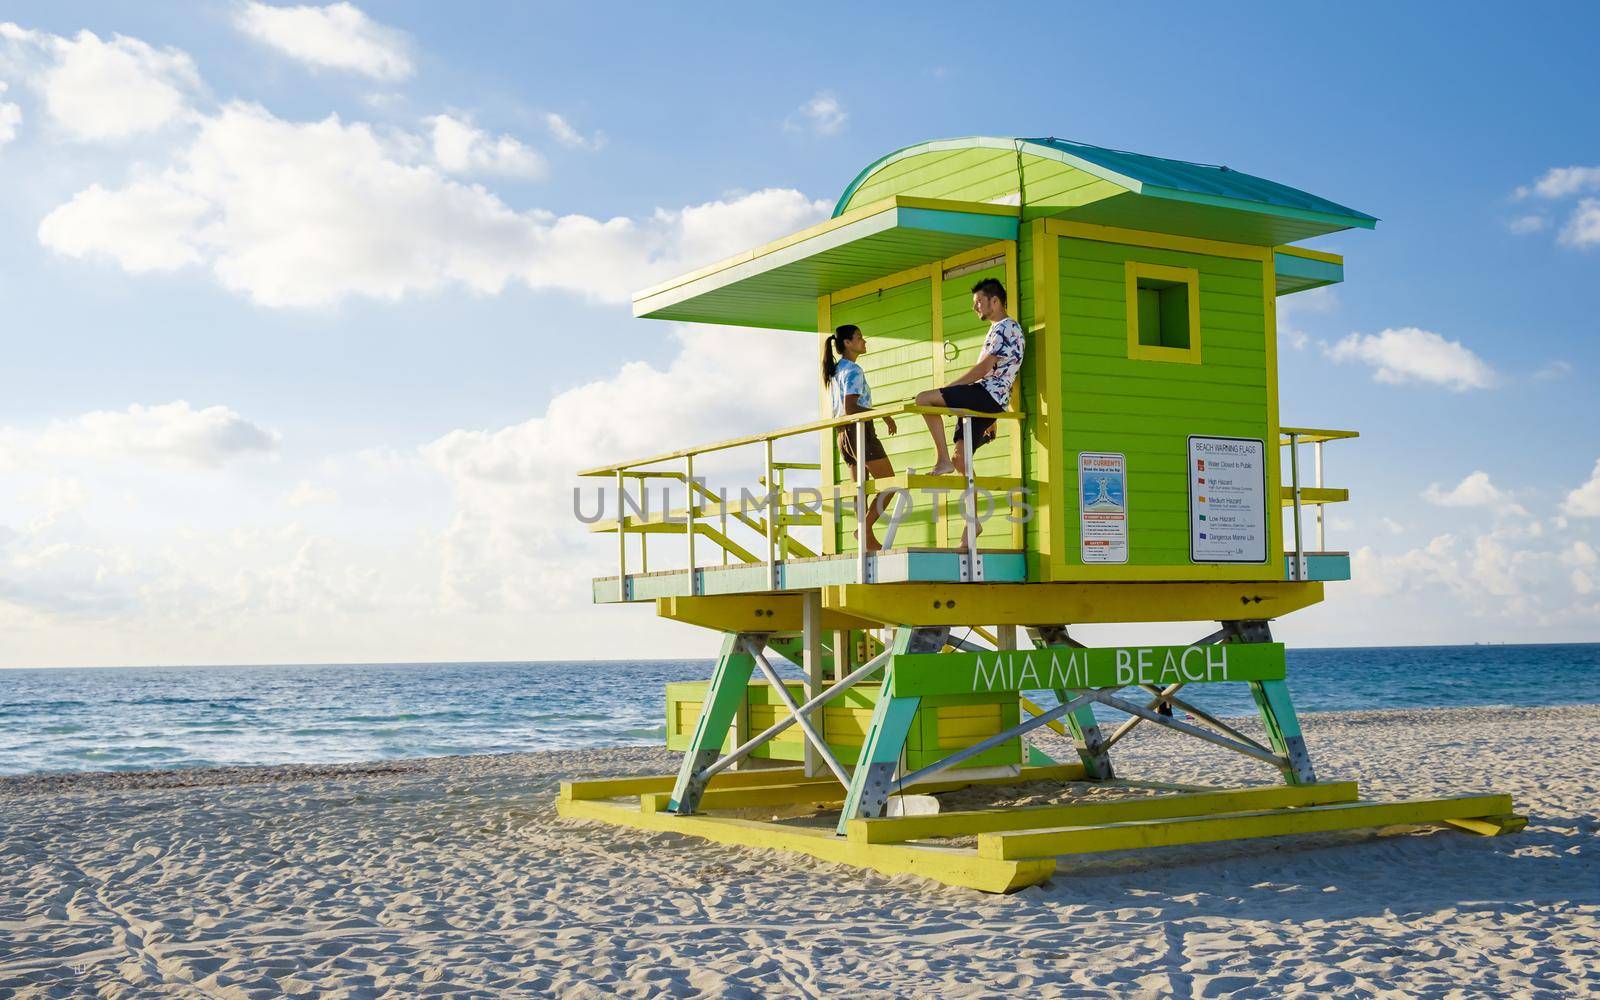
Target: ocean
x,y
140,718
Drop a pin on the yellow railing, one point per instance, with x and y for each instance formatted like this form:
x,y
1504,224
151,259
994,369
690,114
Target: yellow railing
x,y
780,507
1317,495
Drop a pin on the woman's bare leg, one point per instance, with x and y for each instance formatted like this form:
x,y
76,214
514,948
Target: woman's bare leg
x,y
879,469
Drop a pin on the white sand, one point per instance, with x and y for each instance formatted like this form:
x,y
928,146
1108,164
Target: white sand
x,y
453,876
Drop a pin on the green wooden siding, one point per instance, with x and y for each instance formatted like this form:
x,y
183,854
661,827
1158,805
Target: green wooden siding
x,y
957,174
1147,409
988,175
964,334
1051,186
942,725
1036,464
898,325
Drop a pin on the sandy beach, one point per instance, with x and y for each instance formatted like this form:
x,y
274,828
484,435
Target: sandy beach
x,y
453,876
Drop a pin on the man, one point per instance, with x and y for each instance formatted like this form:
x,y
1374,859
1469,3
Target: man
x,y
986,386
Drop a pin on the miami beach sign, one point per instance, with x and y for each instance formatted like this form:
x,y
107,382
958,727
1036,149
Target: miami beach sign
x,y
915,674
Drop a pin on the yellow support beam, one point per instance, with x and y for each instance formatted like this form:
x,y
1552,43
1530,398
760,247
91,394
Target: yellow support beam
x,y
750,613
642,784
1490,826
1312,435
1236,826
951,867
1033,708
826,791
989,484
1310,254
829,423
897,829
639,784
810,793
1079,603
1312,495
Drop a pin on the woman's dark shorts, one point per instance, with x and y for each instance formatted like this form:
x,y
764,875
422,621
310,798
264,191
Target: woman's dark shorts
x,y
847,445
972,397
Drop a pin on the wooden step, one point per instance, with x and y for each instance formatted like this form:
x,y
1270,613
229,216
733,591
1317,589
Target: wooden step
x,y
1237,826
897,829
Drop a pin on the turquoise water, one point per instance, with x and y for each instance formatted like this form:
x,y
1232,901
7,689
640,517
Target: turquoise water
x,y
136,718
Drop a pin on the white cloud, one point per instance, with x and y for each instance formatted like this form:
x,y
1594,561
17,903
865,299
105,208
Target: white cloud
x,y
1522,225
459,148
172,432
514,543
308,494
149,225
1580,553
1475,490
1291,309
1583,227
1412,355
822,115
1585,500
338,36
1554,370
563,132
306,214
1508,575
10,118
1562,182
97,90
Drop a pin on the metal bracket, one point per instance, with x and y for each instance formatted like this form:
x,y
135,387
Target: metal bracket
x,y
971,568
1252,630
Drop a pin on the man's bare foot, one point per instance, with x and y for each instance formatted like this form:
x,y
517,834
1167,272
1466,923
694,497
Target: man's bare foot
x,y
942,469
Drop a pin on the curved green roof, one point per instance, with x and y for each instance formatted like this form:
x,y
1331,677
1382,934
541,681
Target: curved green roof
x,y
1123,173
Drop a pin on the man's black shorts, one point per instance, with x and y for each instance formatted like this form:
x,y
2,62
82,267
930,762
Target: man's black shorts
x,y
972,397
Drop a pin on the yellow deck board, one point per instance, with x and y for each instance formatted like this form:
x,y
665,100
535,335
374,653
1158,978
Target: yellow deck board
x,y
951,867
898,829
611,788
1236,826
825,789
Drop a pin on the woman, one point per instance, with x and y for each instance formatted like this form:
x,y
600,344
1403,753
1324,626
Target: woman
x,y
848,389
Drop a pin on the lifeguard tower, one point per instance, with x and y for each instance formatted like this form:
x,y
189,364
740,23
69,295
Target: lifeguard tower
x,y
1143,475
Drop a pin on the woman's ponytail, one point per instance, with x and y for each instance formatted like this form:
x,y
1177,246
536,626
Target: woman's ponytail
x,y
839,338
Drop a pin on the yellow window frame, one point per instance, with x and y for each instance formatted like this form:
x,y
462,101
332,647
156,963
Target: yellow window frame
x,y
1133,270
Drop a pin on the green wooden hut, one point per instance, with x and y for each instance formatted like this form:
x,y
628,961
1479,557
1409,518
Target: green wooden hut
x,y
1143,475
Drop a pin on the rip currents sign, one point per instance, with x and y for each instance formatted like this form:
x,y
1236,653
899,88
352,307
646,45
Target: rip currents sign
x,y
917,674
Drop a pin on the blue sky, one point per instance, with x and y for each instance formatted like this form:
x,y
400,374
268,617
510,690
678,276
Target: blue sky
x,y
280,386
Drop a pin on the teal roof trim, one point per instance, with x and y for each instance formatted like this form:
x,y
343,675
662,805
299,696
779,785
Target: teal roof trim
x,y
1204,183
1155,176
1297,274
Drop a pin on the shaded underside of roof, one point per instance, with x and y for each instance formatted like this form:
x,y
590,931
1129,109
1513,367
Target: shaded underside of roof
x,y
777,286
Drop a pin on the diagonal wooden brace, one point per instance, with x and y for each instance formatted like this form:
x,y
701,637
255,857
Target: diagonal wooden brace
x,y
1092,746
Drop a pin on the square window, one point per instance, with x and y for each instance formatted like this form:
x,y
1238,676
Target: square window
x,y
1163,313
